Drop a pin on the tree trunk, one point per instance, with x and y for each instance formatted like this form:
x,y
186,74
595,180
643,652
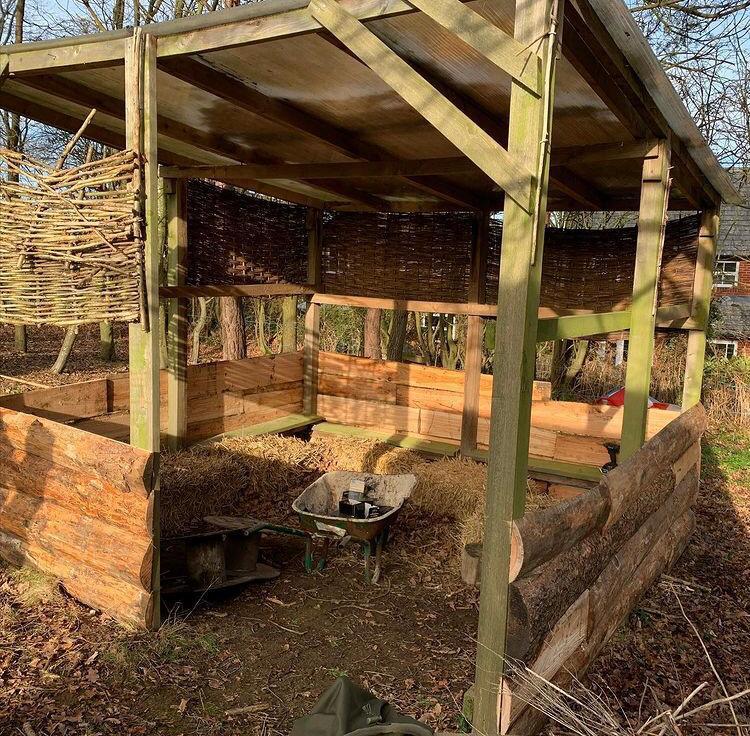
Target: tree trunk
x,y
397,335
67,348
200,325
289,324
21,338
372,334
106,342
261,338
233,336
580,350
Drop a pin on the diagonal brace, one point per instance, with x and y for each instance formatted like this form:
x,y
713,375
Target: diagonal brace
x,y
477,145
504,51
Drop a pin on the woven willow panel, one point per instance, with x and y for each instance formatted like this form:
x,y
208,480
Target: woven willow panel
x,y
414,256
593,269
69,246
236,237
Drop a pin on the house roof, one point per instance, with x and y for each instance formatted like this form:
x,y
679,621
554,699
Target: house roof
x,y
733,317
734,233
264,83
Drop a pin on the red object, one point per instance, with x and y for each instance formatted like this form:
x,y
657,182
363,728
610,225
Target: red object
x,y
616,397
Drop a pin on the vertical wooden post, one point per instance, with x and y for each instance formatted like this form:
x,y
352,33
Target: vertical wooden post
x,y
651,225
702,286
515,356
473,359
176,192
140,127
311,346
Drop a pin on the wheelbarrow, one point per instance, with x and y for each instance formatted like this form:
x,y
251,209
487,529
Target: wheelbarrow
x,y
318,511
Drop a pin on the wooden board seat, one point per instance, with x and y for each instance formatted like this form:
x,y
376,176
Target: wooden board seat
x,y
408,441
288,423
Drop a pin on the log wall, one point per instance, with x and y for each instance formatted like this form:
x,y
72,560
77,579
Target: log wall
x,y
78,507
578,568
428,401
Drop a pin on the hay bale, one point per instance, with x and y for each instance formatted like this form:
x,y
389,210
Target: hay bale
x,y
363,456
450,486
471,529
195,483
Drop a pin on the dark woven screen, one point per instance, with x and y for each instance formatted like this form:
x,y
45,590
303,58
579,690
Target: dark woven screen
x,y
593,269
397,256
235,237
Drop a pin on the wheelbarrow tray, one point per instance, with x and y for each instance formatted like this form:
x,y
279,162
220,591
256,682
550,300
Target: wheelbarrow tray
x,y
317,506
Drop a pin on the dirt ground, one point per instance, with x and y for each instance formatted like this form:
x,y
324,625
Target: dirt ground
x,y
250,663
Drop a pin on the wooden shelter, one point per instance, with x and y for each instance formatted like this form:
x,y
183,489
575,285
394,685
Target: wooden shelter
x,y
387,106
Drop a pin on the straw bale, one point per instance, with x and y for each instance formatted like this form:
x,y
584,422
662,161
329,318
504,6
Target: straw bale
x,y
363,456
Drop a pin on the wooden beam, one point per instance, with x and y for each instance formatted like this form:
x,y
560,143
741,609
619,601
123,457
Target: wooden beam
x,y
143,339
650,241
622,151
505,170
702,287
521,62
574,326
86,52
177,322
411,305
250,290
353,169
255,23
529,136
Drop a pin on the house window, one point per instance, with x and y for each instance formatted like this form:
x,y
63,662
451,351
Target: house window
x,y
726,273
724,348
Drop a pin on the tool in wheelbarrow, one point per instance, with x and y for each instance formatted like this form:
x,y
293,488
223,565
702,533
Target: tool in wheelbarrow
x,y
223,557
346,709
343,506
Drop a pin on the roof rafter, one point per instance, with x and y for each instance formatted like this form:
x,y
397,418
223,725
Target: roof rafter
x,y
239,94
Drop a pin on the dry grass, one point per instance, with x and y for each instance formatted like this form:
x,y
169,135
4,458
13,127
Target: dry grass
x,y
726,383
363,456
260,476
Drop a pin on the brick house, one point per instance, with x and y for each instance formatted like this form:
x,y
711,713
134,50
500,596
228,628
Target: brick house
x,y
731,298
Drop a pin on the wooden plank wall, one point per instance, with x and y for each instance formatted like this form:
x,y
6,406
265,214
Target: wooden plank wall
x,y
428,401
78,507
221,396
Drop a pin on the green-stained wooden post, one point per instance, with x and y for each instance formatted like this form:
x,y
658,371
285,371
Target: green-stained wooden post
x,y
140,133
311,346
651,224
702,286
176,194
515,356
473,353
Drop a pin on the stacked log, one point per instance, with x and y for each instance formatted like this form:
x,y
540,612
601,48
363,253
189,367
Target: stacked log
x,y
579,567
80,508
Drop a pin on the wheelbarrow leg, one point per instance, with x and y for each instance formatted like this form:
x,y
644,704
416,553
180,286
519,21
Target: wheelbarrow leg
x,y
367,548
308,554
324,557
382,537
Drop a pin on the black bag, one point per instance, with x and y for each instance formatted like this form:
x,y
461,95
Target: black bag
x,y
345,709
